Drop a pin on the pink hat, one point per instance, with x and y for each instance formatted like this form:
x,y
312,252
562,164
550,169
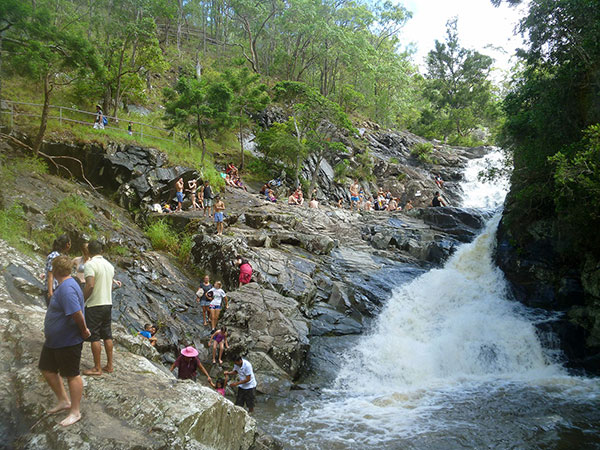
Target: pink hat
x,y
190,352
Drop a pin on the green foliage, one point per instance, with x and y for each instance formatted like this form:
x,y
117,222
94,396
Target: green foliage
x,y
459,90
200,107
394,160
552,100
13,226
119,250
71,215
423,151
364,166
340,171
164,238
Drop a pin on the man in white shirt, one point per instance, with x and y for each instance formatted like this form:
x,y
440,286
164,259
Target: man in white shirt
x,y
99,278
246,384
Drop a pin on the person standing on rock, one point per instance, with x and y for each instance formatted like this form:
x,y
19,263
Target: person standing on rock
x,y
216,296
354,195
201,297
438,200
187,364
179,193
246,384
60,246
64,329
99,280
79,264
208,198
245,270
219,208
192,188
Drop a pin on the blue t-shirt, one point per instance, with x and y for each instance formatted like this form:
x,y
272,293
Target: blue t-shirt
x,y
146,334
59,327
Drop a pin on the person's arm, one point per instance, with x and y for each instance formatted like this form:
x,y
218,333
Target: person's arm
x,y
89,286
117,283
225,341
203,369
226,301
245,380
172,367
50,284
231,372
80,321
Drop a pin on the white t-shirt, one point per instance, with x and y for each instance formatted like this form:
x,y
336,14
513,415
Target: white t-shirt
x,y
103,273
243,372
218,296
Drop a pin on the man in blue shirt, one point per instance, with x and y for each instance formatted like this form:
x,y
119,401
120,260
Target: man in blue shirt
x,y
65,329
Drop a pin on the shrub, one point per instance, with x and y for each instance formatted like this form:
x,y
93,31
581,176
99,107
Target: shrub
x,y
394,161
162,237
185,248
13,225
340,171
71,214
423,151
364,167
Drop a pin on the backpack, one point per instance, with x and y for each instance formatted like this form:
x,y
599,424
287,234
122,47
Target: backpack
x,y
104,120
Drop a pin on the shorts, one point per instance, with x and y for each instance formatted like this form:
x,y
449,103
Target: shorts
x,y
179,196
64,360
245,396
354,199
208,202
99,321
218,217
204,302
214,307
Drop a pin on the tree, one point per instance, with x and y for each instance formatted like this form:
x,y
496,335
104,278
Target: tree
x,y
458,86
56,56
199,106
250,96
12,12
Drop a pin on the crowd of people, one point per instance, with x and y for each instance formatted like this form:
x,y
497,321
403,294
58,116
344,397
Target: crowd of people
x,y
79,308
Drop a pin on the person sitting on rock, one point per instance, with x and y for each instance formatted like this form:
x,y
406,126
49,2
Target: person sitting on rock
x,y
314,203
439,181
408,206
270,196
187,364
216,296
221,385
237,182
231,170
438,200
369,204
264,189
392,205
148,333
218,338
296,198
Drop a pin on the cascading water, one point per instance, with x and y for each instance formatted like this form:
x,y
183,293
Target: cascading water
x,y
480,194
450,363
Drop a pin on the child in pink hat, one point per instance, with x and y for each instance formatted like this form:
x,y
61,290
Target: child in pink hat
x,y
188,363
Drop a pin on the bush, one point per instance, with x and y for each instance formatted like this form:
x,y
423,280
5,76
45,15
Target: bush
x,y
364,168
13,225
423,151
71,214
162,237
340,171
210,173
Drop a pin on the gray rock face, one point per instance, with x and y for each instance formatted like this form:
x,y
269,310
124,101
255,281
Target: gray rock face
x,y
140,405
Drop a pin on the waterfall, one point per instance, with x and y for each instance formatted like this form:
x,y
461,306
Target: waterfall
x,y
481,194
446,326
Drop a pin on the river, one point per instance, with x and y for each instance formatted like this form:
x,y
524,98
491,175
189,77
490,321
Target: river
x,y
450,363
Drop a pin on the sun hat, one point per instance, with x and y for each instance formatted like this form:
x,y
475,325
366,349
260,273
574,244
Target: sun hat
x,y
190,352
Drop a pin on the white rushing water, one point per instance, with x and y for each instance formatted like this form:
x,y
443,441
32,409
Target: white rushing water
x,y
451,362
479,194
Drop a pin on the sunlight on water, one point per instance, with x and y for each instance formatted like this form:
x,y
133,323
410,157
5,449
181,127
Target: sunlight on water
x,y
479,194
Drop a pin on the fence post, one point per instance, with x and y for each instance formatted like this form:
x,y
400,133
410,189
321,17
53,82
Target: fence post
x,y
60,115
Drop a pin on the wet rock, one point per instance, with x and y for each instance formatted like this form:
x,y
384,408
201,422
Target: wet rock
x,y
463,223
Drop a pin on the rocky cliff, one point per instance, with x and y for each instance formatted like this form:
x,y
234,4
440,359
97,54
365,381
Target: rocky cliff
x,y
318,273
544,274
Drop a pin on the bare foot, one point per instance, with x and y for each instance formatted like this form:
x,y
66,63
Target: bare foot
x,y
71,419
61,406
92,372
220,362
108,369
214,362
205,323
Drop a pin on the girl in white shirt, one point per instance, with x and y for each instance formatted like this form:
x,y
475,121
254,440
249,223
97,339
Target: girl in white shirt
x,y
216,296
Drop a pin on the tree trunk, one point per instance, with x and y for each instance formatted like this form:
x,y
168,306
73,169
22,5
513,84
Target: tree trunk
x,y
299,157
241,142
119,76
199,125
179,24
315,176
37,144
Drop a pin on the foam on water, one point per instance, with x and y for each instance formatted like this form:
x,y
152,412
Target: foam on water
x,y
479,194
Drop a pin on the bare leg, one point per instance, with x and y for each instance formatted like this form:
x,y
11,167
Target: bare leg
x,y
76,390
214,346
205,313
221,345
108,347
56,384
213,318
97,369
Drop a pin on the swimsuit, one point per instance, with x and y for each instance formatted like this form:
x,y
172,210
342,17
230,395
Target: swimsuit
x,y
179,196
221,391
219,337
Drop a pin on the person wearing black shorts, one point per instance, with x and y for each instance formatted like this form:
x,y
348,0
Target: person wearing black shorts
x,y
246,384
64,330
